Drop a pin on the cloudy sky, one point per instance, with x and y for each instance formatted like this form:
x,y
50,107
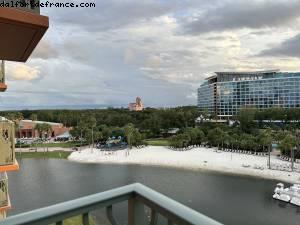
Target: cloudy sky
x,y
160,50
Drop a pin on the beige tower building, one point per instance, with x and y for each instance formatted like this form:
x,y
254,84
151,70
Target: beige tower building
x,y
137,106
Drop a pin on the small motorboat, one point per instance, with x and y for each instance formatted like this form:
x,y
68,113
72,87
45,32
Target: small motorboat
x,y
245,165
276,196
295,201
295,188
284,198
291,194
279,188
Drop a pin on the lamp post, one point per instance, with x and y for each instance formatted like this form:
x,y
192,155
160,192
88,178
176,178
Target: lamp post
x,y
80,139
269,156
293,157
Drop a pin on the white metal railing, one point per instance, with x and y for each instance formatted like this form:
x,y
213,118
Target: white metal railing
x,y
138,197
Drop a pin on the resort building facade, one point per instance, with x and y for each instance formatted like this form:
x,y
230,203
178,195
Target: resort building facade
x,y
27,129
225,93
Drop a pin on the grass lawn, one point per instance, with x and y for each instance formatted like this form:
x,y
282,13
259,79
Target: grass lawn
x,y
60,144
76,221
158,142
57,145
40,155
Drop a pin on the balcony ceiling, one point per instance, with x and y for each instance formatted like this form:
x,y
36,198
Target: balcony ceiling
x,y
20,32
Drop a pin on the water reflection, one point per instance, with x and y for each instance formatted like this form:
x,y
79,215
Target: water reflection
x,y
229,199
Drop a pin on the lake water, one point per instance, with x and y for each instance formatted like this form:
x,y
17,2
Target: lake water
x,y
232,200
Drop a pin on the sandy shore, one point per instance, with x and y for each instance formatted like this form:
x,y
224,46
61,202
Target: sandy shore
x,y
198,158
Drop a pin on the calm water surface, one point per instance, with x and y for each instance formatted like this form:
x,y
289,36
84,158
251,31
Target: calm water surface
x,y
232,200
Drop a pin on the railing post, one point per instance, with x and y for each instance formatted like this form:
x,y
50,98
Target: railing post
x,y
85,219
136,212
110,216
170,222
2,71
154,217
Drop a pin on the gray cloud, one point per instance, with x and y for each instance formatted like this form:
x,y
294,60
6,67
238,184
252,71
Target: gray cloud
x,y
128,48
234,15
115,14
290,48
45,50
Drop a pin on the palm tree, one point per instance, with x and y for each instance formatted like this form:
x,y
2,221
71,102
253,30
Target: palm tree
x,y
244,141
39,128
33,117
288,145
236,141
228,141
43,129
266,140
201,137
47,128
129,131
218,136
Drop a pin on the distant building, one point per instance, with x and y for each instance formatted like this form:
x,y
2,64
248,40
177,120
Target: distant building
x,y
225,93
27,129
137,106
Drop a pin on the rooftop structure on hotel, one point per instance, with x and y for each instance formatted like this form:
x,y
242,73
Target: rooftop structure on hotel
x,y
225,93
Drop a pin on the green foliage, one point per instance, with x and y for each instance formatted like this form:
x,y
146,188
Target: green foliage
x,y
256,131
246,118
133,136
158,142
76,221
34,117
180,140
43,128
288,142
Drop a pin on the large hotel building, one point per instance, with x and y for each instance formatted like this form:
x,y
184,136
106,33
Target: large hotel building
x,y
225,93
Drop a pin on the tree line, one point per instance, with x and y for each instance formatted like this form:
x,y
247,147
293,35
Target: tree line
x,y
253,130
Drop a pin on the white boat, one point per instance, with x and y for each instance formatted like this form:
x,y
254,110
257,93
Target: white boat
x,y
295,201
276,196
284,198
291,194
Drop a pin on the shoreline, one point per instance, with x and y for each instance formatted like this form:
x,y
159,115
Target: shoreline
x,y
196,159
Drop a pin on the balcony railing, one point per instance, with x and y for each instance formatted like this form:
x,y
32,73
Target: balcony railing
x,y
25,5
4,199
7,143
138,197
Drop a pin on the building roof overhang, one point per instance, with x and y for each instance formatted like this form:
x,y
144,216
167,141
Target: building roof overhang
x,y
248,72
20,32
211,77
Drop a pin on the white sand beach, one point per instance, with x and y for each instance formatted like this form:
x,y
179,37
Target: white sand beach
x,y
195,159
